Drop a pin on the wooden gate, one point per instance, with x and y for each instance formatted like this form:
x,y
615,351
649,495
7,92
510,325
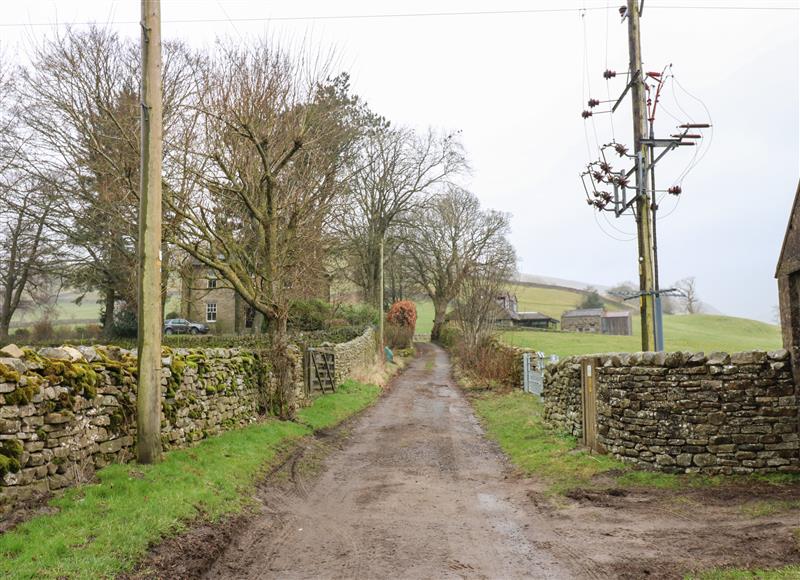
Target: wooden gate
x,y
589,402
320,370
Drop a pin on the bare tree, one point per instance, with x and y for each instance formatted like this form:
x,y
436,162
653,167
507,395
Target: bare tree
x,y
691,300
29,252
452,240
81,108
271,139
394,171
476,308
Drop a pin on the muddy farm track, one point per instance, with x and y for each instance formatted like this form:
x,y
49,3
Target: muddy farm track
x,y
413,489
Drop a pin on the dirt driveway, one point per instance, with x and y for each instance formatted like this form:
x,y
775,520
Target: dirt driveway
x,y
413,489
415,492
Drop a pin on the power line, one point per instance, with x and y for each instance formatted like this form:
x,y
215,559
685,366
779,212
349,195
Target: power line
x,y
403,15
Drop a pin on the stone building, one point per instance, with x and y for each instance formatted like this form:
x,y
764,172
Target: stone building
x,y
205,297
510,315
788,275
583,320
597,320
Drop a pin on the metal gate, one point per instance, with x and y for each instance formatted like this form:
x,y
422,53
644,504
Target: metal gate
x,y
533,372
589,403
320,370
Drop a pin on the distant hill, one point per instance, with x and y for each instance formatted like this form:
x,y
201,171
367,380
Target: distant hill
x,y
691,332
562,283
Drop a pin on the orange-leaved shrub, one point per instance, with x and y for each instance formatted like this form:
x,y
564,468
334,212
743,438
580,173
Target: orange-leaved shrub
x,y
400,323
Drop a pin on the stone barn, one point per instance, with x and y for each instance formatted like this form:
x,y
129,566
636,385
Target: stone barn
x,y
583,320
597,320
788,275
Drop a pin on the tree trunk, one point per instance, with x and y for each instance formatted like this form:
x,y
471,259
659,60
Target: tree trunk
x,y
440,311
5,323
108,314
282,369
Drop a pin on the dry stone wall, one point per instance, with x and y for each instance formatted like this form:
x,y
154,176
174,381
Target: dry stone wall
x,y
66,412
355,354
686,412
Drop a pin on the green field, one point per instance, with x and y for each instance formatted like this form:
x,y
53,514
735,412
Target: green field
x,y
697,332
67,313
550,301
553,301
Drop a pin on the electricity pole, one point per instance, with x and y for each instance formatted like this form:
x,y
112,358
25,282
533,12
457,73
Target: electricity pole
x,y
148,401
600,175
643,201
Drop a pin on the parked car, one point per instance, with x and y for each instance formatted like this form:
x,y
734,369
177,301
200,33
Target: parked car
x,y
183,326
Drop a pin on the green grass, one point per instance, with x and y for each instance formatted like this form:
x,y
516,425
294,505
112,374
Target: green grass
x,y
783,573
103,529
698,332
763,508
66,310
515,421
424,317
332,409
552,301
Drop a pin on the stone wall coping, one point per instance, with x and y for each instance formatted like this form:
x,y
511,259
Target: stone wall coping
x,y
674,359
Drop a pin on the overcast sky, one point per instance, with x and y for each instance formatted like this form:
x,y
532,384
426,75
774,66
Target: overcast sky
x,y
515,85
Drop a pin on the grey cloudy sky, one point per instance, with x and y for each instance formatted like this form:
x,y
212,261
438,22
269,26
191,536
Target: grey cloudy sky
x,y
515,85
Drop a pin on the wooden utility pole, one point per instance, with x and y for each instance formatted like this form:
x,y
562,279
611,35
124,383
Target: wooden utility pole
x,y
643,201
148,403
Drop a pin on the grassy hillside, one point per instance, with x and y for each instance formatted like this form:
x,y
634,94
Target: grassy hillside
x,y
552,301
699,332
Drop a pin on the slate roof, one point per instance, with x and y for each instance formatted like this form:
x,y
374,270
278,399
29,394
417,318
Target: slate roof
x,y
618,314
534,316
583,312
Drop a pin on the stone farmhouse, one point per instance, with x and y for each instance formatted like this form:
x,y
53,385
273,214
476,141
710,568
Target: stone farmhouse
x,y
205,297
511,316
598,320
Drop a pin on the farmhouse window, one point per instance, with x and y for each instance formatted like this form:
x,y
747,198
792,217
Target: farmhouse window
x,y
212,283
211,312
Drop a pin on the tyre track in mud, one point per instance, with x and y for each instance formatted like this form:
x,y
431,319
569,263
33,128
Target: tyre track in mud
x,y
415,491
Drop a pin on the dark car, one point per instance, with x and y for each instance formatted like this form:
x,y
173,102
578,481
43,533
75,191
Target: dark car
x,y
183,326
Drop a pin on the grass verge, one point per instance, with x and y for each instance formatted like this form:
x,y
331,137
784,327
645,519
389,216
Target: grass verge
x,y
102,529
515,421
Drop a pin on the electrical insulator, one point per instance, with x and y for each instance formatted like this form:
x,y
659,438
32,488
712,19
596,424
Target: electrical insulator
x,y
593,103
621,149
675,190
605,167
589,202
609,74
623,10
586,114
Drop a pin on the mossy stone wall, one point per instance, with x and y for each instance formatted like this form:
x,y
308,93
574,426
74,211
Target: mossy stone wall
x,y
65,412
686,412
